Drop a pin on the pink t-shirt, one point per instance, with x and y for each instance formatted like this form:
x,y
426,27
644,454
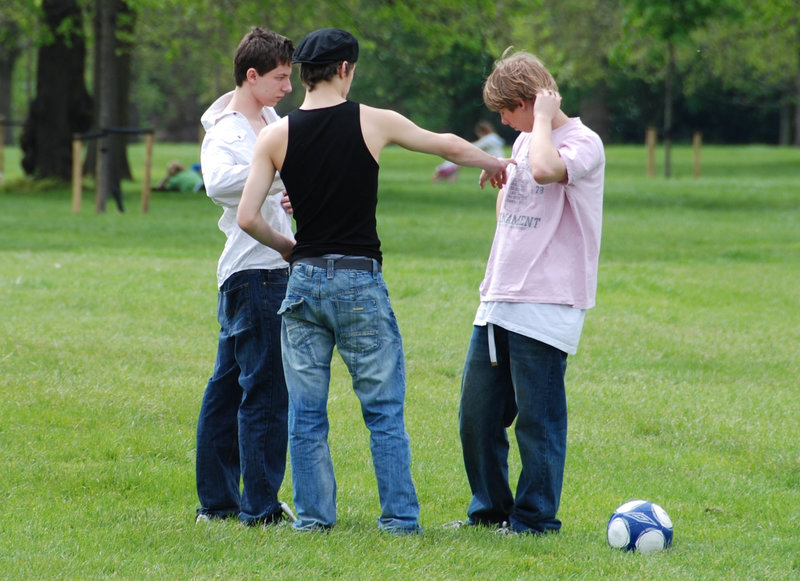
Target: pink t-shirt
x,y
547,241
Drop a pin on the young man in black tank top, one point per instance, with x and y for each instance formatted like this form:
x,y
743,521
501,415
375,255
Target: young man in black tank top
x,y
327,153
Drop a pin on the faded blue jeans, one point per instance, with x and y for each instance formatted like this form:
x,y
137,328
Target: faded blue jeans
x,y
527,384
350,309
242,429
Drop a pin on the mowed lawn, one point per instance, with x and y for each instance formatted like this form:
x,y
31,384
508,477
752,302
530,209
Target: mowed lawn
x,y
684,390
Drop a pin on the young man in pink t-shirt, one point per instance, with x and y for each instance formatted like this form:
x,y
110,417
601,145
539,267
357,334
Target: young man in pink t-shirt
x,y
540,279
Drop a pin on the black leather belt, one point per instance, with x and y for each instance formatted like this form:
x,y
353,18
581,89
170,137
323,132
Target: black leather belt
x,y
339,263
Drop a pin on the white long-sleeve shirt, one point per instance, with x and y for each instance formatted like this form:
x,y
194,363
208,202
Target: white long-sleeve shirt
x,y
225,160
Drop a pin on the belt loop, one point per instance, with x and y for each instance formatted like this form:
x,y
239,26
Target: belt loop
x,y
330,268
375,269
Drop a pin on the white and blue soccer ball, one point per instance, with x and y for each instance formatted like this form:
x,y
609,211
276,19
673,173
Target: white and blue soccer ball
x,y
639,525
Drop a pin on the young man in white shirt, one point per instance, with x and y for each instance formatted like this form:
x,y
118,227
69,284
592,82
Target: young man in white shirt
x,y
242,428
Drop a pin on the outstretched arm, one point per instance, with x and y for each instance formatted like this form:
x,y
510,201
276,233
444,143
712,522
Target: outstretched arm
x,y
383,126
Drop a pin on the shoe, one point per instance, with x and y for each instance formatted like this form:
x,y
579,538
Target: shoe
x,y
402,531
313,528
283,514
204,516
504,529
287,512
457,524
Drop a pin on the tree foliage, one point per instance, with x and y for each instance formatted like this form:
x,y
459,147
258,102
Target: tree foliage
x,y
658,29
416,56
756,57
559,30
621,64
18,30
62,105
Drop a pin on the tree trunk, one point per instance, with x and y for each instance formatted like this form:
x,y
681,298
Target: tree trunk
x,y
62,105
594,110
668,88
108,145
90,160
785,122
9,52
797,111
126,22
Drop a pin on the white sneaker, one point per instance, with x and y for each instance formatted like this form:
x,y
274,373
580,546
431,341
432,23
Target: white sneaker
x,y
288,512
505,529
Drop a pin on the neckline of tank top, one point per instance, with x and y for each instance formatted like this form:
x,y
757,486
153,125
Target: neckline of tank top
x,y
323,108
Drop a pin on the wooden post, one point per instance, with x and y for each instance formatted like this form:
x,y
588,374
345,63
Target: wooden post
x,y
697,143
650,142
77,174
148,163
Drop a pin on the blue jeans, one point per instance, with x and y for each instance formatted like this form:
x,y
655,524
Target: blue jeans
x,y
242,430
527,384
349,309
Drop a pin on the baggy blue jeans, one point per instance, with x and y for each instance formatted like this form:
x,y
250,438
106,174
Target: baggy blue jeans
x,y
242,429
350,309
526,384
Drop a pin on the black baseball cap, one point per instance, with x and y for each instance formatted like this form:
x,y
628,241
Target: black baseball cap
x,y
325,46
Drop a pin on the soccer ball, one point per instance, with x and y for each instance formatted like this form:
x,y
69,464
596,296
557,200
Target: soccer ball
x,y
639,525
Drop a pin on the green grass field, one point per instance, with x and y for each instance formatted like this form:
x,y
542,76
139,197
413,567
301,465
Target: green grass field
x,y
684,390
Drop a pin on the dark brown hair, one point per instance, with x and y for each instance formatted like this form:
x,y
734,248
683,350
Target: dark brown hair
x,y
262,50
311,74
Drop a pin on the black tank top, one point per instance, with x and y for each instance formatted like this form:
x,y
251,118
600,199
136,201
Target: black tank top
x,y
332,182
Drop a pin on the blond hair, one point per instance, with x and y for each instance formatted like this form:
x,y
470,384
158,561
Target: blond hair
x,y
516,78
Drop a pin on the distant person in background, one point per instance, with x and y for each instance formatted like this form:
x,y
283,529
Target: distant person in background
x,y
242,428
180,179
488,140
